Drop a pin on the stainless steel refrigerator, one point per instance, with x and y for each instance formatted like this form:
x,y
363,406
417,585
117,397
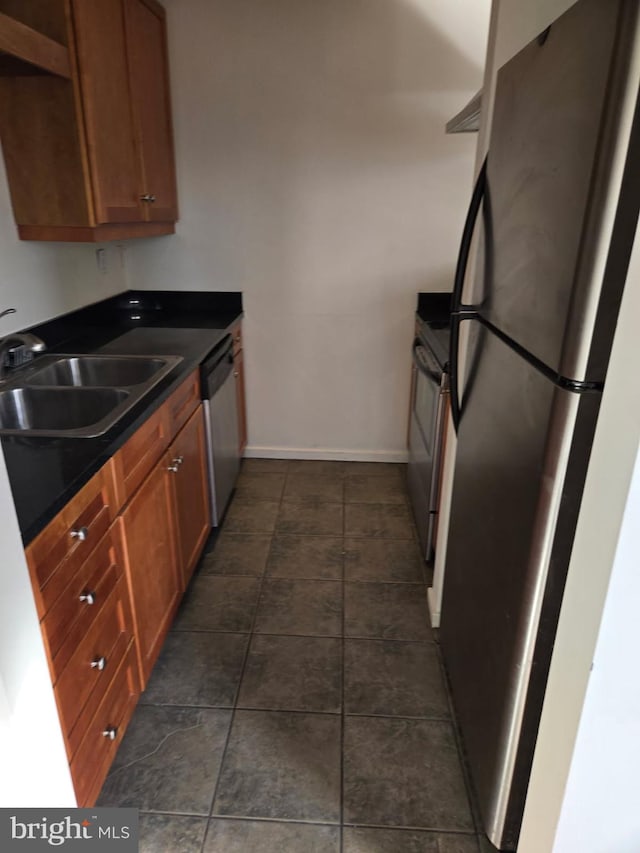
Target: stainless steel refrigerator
x,y
557,205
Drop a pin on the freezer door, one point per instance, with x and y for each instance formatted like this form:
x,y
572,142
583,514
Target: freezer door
x,y
519,474
545,182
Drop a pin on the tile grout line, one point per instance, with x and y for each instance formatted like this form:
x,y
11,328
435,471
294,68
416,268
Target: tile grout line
x,y
307,578
365,536
427,830
250,636
310,636
467,833
357,581
462,757
429,718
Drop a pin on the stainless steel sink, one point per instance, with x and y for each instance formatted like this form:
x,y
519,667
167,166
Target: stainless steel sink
x,y
98,370
77,396
83,412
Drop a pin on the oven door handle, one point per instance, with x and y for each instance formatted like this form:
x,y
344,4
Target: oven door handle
x,y
431,371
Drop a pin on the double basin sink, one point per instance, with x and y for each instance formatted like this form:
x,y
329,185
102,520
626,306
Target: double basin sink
x,y
77,396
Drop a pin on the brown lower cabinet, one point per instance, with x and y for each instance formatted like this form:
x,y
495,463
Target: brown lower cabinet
x,y
151,566
108,573
187,464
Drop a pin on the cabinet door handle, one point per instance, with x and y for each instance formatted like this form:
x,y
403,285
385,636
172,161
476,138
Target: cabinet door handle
x,y
238,337
88,597
178,460
80,534
99,663
148,198
236,374
173,468
110,732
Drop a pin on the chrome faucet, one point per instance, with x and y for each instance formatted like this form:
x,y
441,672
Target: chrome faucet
x,y
14,339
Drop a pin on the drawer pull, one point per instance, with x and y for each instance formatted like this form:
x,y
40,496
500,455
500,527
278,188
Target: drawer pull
x,y
88,597
178,460
148,197
99,663
173,468
80,534
110,732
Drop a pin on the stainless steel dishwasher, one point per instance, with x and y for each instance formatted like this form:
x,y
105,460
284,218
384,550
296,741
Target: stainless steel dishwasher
x,y
218,386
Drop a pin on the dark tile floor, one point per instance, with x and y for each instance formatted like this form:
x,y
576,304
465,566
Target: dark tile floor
x,y
298,705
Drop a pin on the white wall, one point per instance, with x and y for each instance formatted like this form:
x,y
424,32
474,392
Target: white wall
x,y
40,280
315,176
33,771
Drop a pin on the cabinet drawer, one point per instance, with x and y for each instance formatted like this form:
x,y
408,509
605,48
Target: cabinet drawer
x,y
138,456
97,750
83,678
182,403
57,553
71,617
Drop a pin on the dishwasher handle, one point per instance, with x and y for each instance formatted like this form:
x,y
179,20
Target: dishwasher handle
x,y
216,368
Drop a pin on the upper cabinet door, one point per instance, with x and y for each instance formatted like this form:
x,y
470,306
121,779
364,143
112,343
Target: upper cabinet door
x,y
149,81
106,107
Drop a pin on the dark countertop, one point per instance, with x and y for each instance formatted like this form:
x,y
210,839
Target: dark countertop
x,y
45,473
433,313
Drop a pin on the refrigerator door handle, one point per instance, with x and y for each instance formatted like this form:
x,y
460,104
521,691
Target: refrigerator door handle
x,y
467,235
425,363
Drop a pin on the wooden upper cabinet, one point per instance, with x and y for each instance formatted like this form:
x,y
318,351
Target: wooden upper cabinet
x,y
90,157
148,66
108,118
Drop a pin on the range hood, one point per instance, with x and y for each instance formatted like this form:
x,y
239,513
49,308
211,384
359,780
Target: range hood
x,y
468,119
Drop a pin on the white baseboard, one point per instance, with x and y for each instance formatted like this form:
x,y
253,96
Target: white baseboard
x,y
434,607
256,452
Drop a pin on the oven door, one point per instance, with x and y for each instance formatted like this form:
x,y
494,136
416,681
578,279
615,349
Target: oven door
x,y
424,443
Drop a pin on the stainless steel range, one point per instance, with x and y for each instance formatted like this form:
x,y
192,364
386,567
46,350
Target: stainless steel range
x,y
429,407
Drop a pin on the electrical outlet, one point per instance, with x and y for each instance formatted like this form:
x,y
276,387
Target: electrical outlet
x,y
101,260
